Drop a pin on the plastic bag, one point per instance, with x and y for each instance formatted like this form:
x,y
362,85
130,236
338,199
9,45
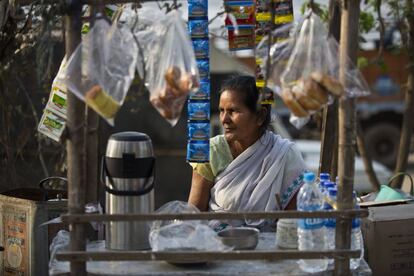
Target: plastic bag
x,y
108,56
59,243
304,69
183,235
169,61
173,207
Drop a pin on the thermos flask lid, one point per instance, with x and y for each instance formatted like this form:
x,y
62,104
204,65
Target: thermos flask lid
x,y
129,136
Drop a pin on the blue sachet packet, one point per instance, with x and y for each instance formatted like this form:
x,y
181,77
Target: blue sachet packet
x,y
198,151
203,92
201,48
199,130
198,28
198,111
203,66
197,8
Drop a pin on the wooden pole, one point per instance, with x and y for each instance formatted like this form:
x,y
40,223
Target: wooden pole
x,y
197,256
91,138
329,132
347,133
218,216
75,142
408,122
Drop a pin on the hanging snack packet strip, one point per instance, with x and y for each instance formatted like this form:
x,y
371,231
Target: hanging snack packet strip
x,y
53,121
198,125
240,22
283,14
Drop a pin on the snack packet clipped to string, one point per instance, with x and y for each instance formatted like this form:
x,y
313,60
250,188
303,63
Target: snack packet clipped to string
x,y
101,69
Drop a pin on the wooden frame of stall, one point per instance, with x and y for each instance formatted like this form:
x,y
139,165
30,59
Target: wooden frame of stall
x,y
82,165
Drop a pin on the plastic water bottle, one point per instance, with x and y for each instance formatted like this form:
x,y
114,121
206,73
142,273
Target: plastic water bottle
x,y
330,223
311,231
357,242
323,177
329,185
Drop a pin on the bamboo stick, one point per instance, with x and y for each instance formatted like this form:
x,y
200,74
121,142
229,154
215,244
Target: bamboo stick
x,y
347,140
191,256
74,218
75,143
329,132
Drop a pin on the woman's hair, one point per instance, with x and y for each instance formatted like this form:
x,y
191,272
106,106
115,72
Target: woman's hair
x,y
246,86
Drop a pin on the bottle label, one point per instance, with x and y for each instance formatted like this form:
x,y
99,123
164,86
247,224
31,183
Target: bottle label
x,y
356,222
330,222
311,223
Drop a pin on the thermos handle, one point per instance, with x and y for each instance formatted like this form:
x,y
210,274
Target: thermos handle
x,y
112,190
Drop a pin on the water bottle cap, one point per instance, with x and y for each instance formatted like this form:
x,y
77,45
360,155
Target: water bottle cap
x,y
332,191
324,176
309,177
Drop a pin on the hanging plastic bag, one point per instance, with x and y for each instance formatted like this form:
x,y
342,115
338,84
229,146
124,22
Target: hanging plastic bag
x,y
101,69
304,70
169,61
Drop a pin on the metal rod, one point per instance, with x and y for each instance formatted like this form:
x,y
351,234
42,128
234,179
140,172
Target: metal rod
x,y
203,256
71,218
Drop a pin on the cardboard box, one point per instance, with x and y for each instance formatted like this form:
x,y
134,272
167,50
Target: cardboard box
x,y
389,239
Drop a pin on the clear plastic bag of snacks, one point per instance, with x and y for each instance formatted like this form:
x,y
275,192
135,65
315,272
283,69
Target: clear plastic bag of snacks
x,y
170,66
304,69
179,235
101,69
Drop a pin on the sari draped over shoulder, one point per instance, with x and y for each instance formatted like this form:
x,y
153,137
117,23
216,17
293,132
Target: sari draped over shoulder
x,y
251,181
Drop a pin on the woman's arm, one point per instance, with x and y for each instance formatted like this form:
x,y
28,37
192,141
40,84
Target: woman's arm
x,y
200,192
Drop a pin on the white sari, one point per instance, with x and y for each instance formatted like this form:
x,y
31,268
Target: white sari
x,y
272,165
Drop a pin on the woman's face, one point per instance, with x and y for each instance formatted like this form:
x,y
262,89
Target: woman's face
x,y
239,123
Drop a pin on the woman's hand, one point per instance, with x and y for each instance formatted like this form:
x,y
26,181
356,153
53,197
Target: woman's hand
x,y
200,192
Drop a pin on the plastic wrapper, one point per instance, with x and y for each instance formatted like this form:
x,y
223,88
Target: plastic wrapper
x,y
198,151
304,68
173,207
198,28
197,8
53,121
101,69
60,243
199,130
183,235
203,93
169,66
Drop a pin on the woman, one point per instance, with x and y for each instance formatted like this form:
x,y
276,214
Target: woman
x,y
249,165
